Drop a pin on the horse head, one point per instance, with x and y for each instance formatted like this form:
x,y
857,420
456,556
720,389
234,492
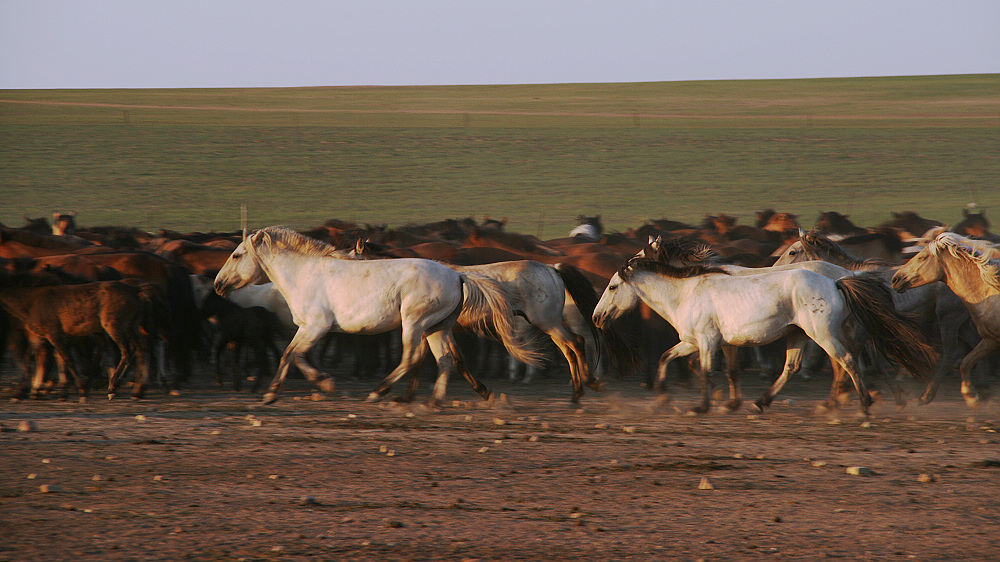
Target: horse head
x,y
618,298
921,269
243,266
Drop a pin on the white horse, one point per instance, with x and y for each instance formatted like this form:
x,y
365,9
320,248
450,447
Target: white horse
x,y
710,308
325,292
933,305
557,300
975,277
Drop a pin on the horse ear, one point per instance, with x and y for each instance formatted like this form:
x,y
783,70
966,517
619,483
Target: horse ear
x,y
802,233
359,248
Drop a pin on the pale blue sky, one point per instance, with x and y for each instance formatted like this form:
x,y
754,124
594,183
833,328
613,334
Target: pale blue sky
x,y
206,43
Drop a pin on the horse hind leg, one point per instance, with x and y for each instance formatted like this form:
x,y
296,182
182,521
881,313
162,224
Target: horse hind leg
x,y
796,344
733,373
459,365
978,353
572,348
414,348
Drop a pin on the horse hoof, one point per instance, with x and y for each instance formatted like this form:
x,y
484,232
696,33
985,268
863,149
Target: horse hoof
x,y
596,385
972,402
373,397
755,408
697,410
327,385
730,406
111,396
269,398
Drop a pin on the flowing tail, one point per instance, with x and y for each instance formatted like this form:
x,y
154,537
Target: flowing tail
x,y
870,301
609,338
487,312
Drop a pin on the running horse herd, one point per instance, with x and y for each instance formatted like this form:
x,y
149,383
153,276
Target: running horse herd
x,y
910,297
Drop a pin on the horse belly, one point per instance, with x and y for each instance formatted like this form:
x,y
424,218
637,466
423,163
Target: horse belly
x,y
366,318
752,319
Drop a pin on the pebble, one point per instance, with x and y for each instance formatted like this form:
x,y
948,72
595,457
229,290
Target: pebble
x,y
49,488
629,429
140,417
533,439
819,464
27,425
860,471
926,478
705,484
256,423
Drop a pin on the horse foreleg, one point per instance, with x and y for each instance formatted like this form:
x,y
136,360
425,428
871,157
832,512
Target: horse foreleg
x,y
837,388
898,394
141,371
296,351
796,344
41,365
682,349
65,362
978,353
234,351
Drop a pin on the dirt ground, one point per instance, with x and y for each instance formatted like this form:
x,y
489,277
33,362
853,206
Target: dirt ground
x,y
213,475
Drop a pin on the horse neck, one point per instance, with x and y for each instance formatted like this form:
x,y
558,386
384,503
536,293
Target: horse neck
x,y
843,260
662,294
965,279
287,272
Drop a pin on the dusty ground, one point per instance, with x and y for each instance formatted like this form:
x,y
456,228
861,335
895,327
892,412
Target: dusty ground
x,y
194,477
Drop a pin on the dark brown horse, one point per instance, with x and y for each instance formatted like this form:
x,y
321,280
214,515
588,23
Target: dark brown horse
x,y
832,222
975,225
54,315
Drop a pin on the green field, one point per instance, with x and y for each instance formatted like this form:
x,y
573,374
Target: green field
x,y
538,155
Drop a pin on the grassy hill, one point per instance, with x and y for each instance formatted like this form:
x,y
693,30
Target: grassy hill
x,y
536,154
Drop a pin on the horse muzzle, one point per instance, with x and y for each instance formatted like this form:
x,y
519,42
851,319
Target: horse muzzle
x,y
900,284
600,318
222,288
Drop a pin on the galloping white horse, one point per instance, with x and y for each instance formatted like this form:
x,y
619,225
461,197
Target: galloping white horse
x,y
325,292
710,308
975,277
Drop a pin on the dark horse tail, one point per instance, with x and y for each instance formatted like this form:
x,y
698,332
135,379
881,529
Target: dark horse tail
x,y
870,301
586,299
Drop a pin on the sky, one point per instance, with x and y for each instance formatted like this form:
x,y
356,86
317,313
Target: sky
x,y
255,43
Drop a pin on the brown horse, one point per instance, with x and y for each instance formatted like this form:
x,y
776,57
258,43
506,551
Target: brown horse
x,y
975,225
54,315
832,222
